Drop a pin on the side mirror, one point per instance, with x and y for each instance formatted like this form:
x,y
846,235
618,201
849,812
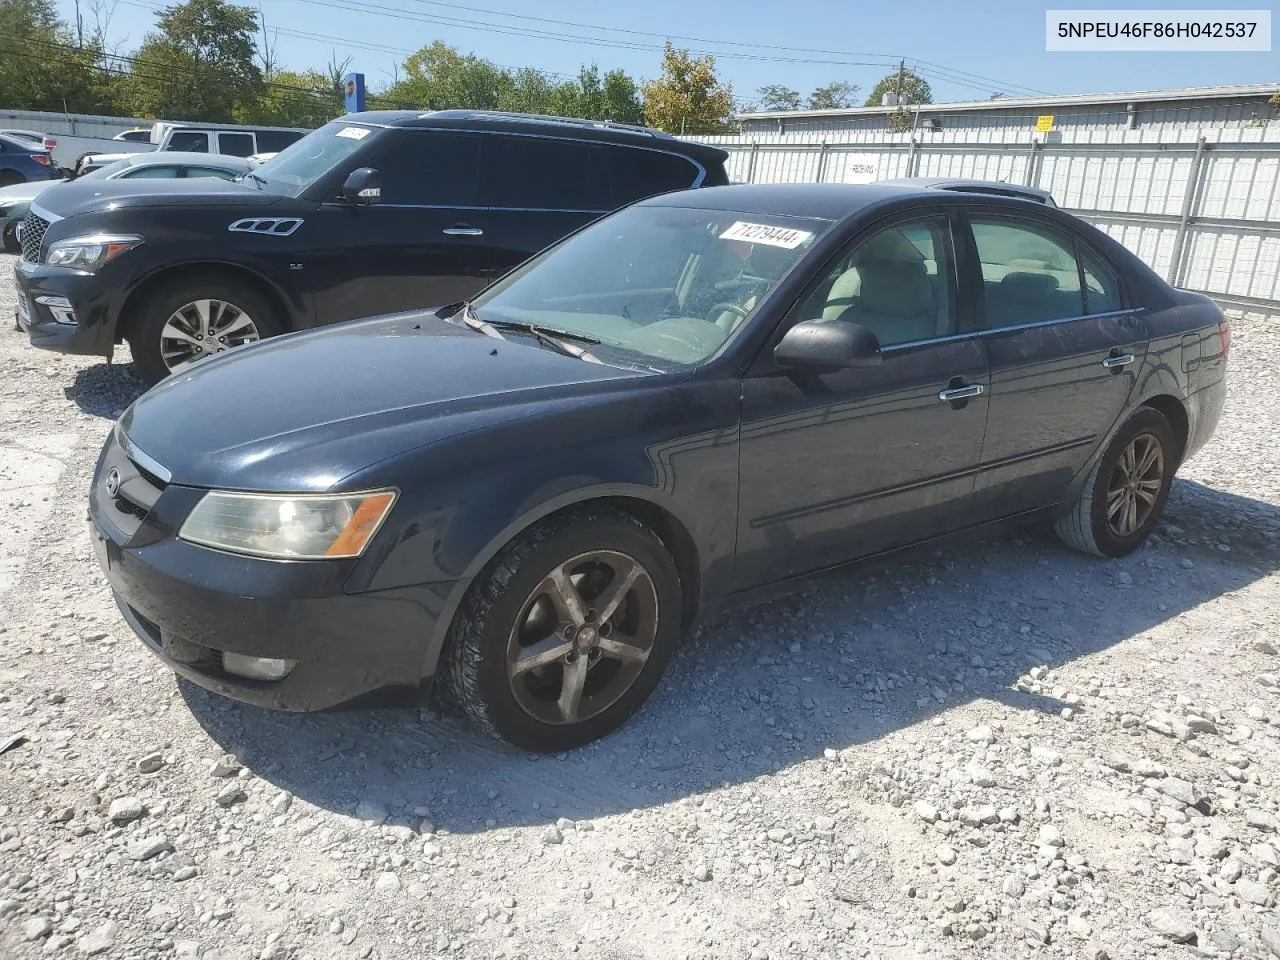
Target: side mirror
x,y
827,343
363,185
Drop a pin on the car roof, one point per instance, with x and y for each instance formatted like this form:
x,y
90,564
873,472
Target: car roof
x,y
163,157
970,185
603,131
24,144
822,201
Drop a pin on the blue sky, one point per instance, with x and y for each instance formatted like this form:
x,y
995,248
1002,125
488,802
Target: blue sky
x,y
965,50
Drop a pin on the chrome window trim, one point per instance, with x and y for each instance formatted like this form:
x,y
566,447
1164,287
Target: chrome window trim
x,y
151,465
1130,311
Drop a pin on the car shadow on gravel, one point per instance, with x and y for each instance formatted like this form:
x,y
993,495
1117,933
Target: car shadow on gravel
x,y
833,666
105,389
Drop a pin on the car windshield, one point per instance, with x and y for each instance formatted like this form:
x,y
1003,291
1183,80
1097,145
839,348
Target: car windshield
x,y
305,161
657,286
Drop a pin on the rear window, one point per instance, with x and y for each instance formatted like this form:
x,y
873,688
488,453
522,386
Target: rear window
x,y
637,173
273,141
533,173
189,141
236,144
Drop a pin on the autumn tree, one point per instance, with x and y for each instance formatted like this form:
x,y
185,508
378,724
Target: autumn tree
x,y
688,97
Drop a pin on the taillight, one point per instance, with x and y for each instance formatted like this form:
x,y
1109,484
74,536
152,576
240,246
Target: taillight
x,y
50,143
42,158
1224,333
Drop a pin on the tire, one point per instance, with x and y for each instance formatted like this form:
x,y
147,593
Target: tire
x,y
147,338
1087,527
477,669
10,177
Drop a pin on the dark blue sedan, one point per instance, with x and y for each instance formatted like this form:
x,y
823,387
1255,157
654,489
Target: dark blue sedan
x,y
521,501
22,160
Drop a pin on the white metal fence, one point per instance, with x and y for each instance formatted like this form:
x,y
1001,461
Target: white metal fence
x,y
1204,213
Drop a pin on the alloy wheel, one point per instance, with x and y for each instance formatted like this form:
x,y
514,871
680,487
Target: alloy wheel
x,y
582,637
1135,485
202,328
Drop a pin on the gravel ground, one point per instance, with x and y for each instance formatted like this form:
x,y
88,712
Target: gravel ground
x,y
1006,750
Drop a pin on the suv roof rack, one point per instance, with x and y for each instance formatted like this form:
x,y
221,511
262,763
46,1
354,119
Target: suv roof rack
x,y
543,118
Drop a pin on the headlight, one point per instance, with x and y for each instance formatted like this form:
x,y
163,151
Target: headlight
x,y
89,253
288,526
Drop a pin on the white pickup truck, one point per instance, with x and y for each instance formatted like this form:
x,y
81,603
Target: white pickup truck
x,y
236,141
66,148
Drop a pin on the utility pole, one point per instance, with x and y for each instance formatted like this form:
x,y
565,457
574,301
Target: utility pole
x,y
898,93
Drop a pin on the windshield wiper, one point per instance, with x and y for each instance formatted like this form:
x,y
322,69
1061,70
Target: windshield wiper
x,y
254,176
475,323
559,339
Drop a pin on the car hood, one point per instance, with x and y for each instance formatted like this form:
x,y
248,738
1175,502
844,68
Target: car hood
x,y
24,192
98,196
302,412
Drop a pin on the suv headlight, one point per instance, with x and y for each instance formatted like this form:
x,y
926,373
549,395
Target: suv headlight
x,y
288,526
89,253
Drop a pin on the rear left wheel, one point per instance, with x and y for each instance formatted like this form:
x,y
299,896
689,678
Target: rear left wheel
x,y
566,633
1126,491
10,177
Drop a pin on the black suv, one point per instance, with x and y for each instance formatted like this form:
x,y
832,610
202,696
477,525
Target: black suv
x,y
374,213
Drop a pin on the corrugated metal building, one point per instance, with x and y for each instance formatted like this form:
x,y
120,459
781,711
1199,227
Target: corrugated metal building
x,y
1078,117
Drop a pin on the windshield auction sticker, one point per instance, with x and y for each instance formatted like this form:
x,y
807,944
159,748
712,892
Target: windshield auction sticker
x,y
763,233
353,133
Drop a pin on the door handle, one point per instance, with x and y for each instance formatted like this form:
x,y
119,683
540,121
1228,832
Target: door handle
x,y
952,394
1115,361
462,232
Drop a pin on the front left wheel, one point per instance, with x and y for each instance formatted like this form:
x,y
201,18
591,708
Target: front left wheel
x,y
566,632
188,320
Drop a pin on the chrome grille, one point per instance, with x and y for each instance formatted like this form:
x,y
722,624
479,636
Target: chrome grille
x,y
31,231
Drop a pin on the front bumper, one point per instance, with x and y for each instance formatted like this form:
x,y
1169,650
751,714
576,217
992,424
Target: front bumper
x,y
188,604
87,327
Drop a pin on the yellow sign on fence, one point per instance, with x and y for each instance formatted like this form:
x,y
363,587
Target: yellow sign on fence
x,y
1044,123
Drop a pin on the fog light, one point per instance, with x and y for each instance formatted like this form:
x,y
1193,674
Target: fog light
x,y
256,668
60,307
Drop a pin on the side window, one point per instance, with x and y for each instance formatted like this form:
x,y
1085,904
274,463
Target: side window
x,y
189,141
637,173
429,169
211,172
273,141
899,283
236,144
542,174
1029,272
1101,284
150,173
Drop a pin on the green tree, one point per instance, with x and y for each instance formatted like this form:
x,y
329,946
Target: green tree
x,y
774,96
688,97
834,96
199,65
622,98
439,77
910,87
306,98
43,68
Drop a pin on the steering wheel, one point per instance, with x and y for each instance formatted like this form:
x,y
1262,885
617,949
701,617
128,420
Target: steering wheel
x,y
713,315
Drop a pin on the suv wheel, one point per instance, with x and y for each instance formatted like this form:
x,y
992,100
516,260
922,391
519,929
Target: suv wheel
x,y
566,633
186,321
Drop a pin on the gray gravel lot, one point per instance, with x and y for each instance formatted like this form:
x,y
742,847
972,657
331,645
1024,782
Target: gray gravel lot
x,y
1004,750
